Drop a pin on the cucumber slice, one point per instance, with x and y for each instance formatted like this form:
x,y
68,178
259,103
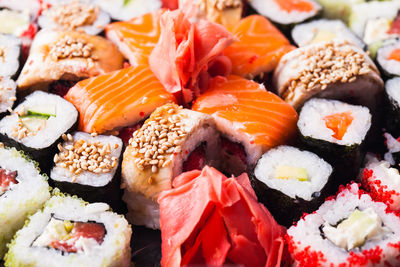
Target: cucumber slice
x,y
43,111
33,123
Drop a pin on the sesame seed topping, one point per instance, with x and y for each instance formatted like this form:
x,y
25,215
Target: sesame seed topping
x,y
159,137
69,47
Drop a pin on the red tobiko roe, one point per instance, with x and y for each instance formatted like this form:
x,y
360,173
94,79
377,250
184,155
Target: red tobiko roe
x,y
199,223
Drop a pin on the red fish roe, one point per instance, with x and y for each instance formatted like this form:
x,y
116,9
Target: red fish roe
x,y
305,257
377,190
372,255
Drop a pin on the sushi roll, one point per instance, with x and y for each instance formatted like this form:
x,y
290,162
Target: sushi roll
x,y
289,182
335,69
324,30
337,132
128,9
10,50
67,55
349,230
286,12
8,97
14,22
382,182
388,58
338,9
393,149
392,106
77,15
71,232
88,166
251,120
37,124
173,140
22,192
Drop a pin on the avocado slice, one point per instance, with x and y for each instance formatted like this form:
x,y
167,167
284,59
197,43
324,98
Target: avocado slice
x,y
323,36
46,111
290,172
33,122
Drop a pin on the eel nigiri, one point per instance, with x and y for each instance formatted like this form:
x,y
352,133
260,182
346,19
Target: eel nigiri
x,y
117,99
248,115
137,37
259,49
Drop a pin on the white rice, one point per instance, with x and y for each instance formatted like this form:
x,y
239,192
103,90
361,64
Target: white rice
x,y
392,87
307,231
311,121
391,66
7,93
272,10
9,61
304,34
61,174
21,199
134,8
66,116
113,251
318,171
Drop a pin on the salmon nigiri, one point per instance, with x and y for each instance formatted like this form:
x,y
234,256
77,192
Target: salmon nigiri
x,y
117,99
137,37
259,49
251,119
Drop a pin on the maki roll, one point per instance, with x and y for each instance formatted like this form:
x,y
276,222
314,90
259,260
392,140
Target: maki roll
x,y
37,124
22,192
128,9
383,183
76,15
173,140
324,30
392,106
289,182
71,232
335,69
67,55
88,166
286,12
335,131
10,49
14,22
338,9
8,97
388,58
349,230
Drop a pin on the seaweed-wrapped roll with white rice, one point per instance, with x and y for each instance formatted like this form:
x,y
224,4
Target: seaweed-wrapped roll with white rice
x,y
88,166
388,57
392,106
8,93
71,232
37,124
289,182
349,230
336,131
10,50
22,192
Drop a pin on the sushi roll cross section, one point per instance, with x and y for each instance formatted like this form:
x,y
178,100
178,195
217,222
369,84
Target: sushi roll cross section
x,y
334,69
87,166
67,55
71,232
37,124
74,15
388,58
22,192
10,50
337,132
171,141
347,230
289,182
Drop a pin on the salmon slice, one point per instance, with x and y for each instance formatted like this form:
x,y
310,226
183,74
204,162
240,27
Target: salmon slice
x,y
245,112
259,49
117,99
136,38
394,55
339,123
295,5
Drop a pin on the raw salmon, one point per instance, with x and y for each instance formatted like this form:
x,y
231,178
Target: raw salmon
x,y
117,99
244,110
136,38
259,49
186,50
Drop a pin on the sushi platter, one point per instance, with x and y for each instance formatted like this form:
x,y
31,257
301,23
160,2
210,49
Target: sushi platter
x,y
167,133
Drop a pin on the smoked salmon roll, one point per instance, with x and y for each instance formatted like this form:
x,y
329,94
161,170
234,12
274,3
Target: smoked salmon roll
x,y
334,69
251,120
171,141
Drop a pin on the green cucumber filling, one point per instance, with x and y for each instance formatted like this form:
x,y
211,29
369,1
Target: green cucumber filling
x,y
355,230
290,172
71,237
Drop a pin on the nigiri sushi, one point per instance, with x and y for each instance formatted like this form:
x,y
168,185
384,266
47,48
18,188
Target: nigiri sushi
x,y
117,99
250,119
